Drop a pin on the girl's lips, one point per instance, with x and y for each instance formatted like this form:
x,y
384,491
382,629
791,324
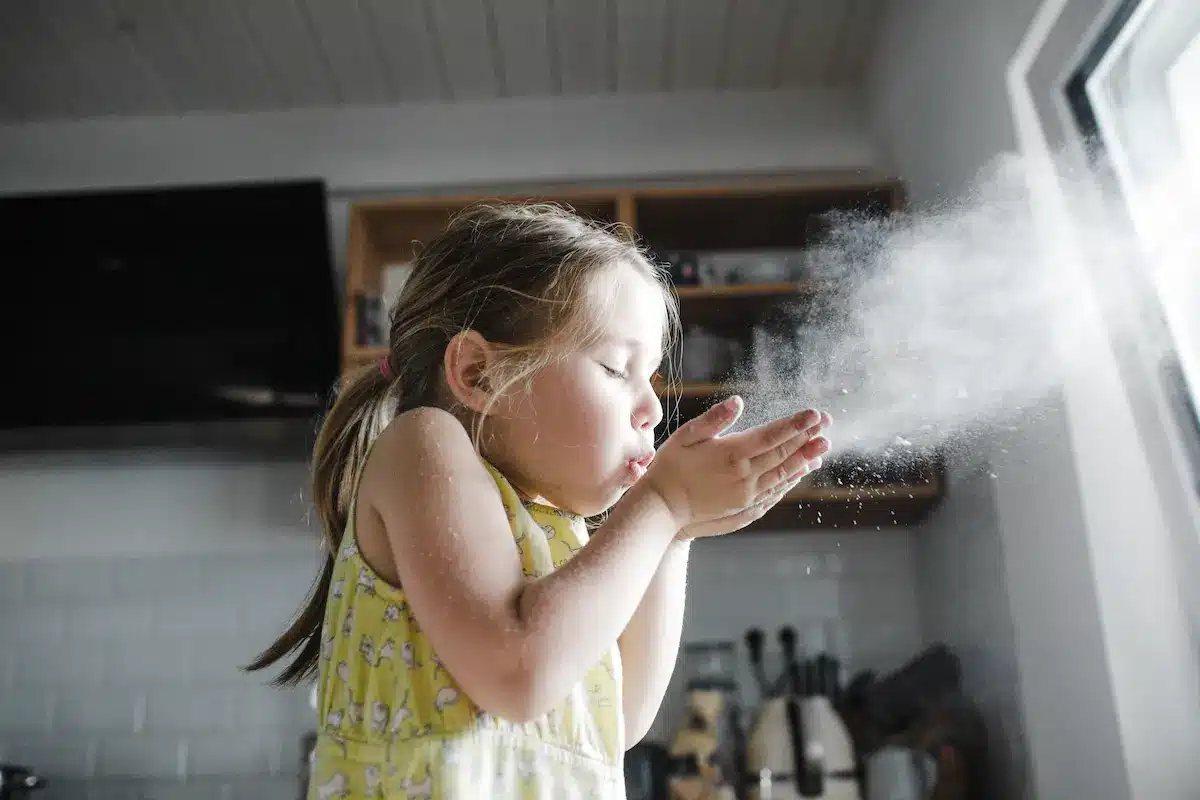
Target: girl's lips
x,y
638,466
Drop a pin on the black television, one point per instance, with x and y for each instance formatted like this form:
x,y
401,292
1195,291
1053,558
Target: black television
x,y
186,304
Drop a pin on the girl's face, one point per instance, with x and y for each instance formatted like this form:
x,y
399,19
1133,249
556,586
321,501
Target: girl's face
x,y
585,431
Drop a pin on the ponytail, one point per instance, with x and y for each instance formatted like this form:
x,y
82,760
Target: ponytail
x,y
355,419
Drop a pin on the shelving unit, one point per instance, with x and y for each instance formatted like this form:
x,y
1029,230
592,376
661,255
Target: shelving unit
x,y
740,216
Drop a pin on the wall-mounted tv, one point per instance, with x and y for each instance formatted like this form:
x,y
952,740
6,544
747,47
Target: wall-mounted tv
x,y
161,305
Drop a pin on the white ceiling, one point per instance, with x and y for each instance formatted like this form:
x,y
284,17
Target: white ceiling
x,y
71,59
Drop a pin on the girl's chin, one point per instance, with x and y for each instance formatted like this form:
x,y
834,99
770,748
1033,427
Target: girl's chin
x,y
612,490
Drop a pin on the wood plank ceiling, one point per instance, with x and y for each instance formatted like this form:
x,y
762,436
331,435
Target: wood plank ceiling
x,y
73,59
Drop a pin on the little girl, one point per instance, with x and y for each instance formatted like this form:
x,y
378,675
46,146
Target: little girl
x,y
468,637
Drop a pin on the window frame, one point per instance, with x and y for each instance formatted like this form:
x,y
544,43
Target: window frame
x,y
1181,397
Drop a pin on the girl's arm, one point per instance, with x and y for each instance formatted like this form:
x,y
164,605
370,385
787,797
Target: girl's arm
x,y
515,646
650,643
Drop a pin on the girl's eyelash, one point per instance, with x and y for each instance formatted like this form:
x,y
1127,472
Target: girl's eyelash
x,y
614,373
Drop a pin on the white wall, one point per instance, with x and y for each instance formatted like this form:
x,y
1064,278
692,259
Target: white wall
x,y
1075,530
475,144
963,592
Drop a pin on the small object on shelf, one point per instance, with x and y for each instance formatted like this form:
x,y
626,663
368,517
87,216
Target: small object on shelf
x,y
735,267
394,276
818,229
372,320
684,269
707,357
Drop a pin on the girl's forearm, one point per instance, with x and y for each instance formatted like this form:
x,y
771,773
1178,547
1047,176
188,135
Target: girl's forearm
x,y
571,617
650,643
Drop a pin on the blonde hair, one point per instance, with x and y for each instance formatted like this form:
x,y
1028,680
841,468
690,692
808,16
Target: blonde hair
x,y
522,276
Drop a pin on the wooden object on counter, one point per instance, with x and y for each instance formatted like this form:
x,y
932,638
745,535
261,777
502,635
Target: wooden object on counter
x,y
696,742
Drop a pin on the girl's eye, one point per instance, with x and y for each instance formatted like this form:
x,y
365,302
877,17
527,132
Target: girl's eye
x,y
612,372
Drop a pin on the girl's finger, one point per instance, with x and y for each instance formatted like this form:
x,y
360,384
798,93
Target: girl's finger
x,y
798,463
729,524
777,490
782,452
762,439
711,423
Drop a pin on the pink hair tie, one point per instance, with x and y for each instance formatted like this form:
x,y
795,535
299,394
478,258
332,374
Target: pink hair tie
x,y
385,368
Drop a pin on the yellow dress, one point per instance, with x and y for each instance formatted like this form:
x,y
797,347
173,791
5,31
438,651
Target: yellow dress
x,y
394,724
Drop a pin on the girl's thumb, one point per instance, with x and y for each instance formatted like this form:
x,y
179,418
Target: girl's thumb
x,y
712,422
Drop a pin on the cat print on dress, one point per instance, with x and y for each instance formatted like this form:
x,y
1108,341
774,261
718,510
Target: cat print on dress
x,y
350,549
379,717
348,623
338,786
392,613
366,581
418,791
354,714
554,723
339,588
326,642
599,696
402,715
552,535
366,646
527,766
387,652
374,780
408,653
446,697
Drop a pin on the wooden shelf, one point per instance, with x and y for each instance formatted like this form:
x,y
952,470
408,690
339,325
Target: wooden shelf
x,y
360,354
700,389
749,290
865,494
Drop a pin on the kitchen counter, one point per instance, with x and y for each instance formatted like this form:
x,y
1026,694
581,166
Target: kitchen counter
x,y
225,787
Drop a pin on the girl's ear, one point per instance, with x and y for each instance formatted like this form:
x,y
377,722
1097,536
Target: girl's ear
x,y
465,363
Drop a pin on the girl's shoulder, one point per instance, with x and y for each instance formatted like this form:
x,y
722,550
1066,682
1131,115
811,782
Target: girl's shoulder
x,y
424,450
423,436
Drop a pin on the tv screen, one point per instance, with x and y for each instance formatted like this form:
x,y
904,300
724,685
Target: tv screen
x,y
167,305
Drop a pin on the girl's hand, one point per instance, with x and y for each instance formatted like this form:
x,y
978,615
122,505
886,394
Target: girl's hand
x,y
716,484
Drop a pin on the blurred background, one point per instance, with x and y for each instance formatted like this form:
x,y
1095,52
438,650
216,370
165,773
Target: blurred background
x,y
205,208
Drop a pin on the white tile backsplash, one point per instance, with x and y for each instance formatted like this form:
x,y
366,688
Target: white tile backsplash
x,y
68,580
247,752
101,621
57,662
79,710
172,710
142,755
